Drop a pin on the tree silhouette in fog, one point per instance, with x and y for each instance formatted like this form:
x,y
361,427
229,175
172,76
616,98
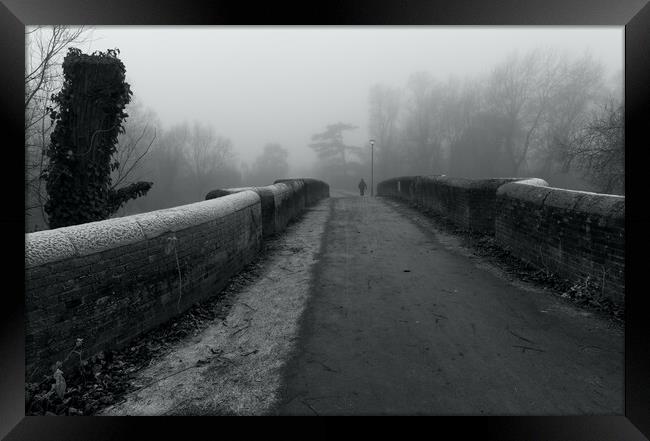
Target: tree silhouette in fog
x,y
538,113
336,157
270,165
598,150
45,48
88,115
384,102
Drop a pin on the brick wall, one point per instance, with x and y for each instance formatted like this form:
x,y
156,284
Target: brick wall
x,y
315,190
400,188
470,204
572,233
276,204
283,201
109,281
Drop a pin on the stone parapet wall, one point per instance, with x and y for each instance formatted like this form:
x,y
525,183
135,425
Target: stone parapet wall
x,y
107,282
575,234
471,204
283,201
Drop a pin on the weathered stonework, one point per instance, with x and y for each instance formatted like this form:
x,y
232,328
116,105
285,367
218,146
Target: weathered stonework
x,y
468,203
575,234
110,281
572,233
282,201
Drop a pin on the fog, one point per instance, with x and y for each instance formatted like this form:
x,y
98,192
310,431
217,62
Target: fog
x,y
249,87
256,85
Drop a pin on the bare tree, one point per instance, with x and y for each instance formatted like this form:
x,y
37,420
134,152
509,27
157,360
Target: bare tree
x,y
419,133
598,150
522,118
384,104
166,165
134,144
510,92
270,165
45,48
575,92
464,102
541,95
209,155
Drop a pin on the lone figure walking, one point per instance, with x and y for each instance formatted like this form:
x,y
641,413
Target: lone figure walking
x,y
362,186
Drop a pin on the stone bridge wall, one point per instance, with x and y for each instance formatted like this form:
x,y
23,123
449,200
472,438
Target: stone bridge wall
x,y
468,203
278,204
110,281
571,233
282,201
311,190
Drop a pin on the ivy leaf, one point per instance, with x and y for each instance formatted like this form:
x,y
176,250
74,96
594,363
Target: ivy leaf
x,y
59,386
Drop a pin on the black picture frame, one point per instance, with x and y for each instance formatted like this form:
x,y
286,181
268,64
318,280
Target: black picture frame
x,y
633,14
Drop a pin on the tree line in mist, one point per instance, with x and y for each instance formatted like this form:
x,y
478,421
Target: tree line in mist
x,y
538,114
183,161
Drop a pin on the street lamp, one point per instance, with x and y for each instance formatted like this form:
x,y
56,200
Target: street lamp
x,y
372,167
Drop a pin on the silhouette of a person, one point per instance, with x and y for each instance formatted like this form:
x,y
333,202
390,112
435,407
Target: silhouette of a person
x,y
362,186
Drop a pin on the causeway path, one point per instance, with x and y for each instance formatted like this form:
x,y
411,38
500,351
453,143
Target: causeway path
x,y
367,308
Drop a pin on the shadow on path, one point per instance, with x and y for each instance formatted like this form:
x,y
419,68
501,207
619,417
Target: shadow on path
x,y
400,323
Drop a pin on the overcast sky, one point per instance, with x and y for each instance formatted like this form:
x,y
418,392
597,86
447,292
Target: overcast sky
x,y
282,84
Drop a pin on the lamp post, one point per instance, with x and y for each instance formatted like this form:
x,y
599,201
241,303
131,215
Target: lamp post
x,y
372,167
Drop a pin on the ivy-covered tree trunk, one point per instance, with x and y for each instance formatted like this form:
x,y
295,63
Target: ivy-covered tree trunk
x,y
88,120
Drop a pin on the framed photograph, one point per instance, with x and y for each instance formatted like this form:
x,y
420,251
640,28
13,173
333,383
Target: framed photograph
x,y
406,174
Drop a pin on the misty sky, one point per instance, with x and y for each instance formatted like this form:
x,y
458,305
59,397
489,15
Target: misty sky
x,y
282,84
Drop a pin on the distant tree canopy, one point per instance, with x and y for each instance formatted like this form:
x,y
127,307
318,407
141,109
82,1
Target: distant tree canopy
x,y
270,165
384,104
488,131
598,150
329,144
134,144
539,113
88,120
336,159
209,156
185,161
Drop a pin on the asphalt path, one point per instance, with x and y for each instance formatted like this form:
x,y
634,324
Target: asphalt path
x,y
400,321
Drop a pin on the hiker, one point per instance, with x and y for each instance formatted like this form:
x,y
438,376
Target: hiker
x,y
362,186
